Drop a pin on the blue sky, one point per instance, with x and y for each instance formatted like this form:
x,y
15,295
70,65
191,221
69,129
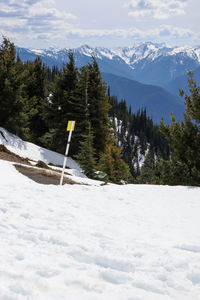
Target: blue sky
x,y
108,23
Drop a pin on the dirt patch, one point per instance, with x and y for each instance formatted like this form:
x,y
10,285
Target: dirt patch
x,y
43,176
6,154
41,164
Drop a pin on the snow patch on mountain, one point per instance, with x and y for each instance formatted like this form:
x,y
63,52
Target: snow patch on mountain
x,y
130,55
147,63
86,50
36,153
193,53
38,51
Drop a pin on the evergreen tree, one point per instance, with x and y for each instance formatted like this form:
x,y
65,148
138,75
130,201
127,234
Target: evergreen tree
x,y
37,94
10,104
135,159
79,109
148,168
135,133
184,137
22,126
61,105
86,155
98,107
37,102
111,163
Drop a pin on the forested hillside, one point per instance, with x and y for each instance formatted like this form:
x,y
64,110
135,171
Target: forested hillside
x,y
110,141
158,102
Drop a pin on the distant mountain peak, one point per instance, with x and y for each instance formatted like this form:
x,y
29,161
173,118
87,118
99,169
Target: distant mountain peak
x,y
149,63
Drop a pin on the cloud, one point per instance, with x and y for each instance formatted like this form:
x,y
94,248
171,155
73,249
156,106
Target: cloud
x,y
161,31
33,17
176,32
157,9
29,21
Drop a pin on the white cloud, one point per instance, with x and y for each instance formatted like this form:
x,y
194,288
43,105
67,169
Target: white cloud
x,y
176,32
33,17
158,9
60,31
34,20
161,31
40,9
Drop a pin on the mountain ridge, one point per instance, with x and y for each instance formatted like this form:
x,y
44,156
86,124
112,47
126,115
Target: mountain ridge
x,y
146,62
158,102
152,64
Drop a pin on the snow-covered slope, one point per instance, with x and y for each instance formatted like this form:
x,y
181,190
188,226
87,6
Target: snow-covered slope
x,y
92,243
35,153
74,242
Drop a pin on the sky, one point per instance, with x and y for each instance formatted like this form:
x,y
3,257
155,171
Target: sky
x,y
107,23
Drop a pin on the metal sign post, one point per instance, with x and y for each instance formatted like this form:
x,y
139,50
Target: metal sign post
x,y
70,128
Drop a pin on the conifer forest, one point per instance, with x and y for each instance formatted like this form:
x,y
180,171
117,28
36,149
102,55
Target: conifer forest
x,y
111,141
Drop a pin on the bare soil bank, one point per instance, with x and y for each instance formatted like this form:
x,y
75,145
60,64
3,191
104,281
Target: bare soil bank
x,y
42,176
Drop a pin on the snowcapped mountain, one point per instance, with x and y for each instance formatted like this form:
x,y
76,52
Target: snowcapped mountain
x,y
151,64
130,55
147,62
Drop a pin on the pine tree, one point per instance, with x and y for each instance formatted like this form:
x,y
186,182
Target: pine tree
x,y
112,164
98,107
62,104
9,87
37,94
148,168
86,155
79,109
22,126
184,137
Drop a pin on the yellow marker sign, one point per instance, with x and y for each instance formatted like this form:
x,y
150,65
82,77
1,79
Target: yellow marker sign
x,y
71,125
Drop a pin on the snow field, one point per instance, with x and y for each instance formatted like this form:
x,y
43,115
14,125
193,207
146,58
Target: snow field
x,y
35,153
131,242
